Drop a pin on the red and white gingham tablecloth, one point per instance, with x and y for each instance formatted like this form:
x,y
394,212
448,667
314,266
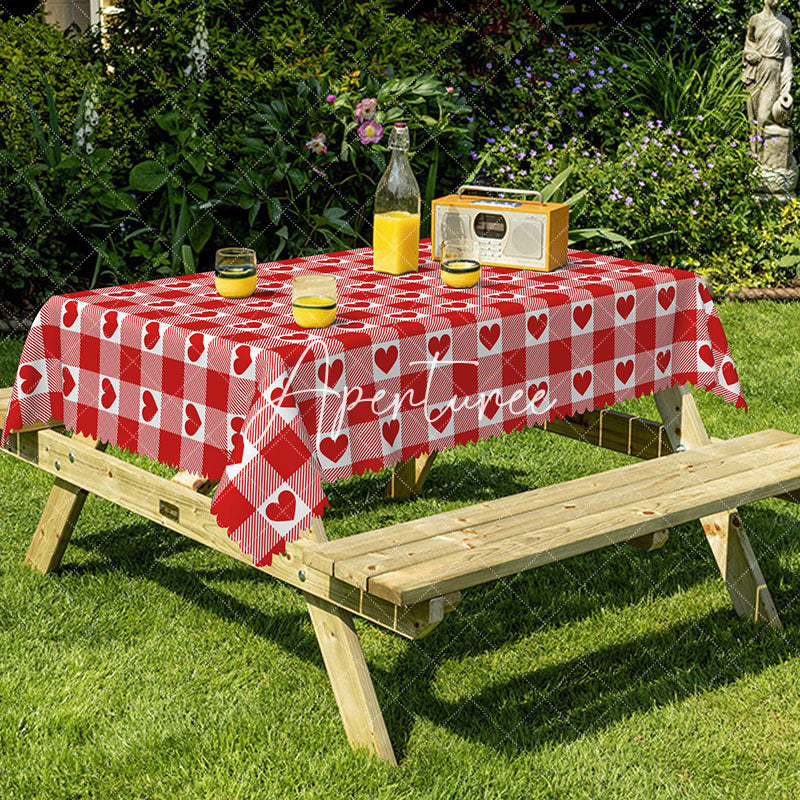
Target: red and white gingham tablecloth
x,y
235,390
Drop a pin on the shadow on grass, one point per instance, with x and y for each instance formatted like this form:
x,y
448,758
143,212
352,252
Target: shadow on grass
x,y
561,702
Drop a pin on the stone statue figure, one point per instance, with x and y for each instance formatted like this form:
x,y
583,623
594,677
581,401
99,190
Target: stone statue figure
x,y
767,75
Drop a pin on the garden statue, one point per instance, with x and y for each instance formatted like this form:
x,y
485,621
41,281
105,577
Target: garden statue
x,y
767,75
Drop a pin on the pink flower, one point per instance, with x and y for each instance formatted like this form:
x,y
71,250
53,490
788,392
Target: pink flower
x,y
317,144
450,89
370,132
366,109
331,98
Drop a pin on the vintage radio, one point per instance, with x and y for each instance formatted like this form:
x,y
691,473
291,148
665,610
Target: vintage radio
x,y
527,234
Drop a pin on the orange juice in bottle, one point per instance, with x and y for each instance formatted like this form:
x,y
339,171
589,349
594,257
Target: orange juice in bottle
x,y
395,234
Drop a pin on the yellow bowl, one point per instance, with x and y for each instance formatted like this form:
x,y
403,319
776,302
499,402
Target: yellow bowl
x,y
234,281
314,312
460,274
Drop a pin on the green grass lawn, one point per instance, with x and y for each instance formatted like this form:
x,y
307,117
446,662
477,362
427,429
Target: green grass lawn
x,y
151,667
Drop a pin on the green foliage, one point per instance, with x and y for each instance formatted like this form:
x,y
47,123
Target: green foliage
x,y
660,196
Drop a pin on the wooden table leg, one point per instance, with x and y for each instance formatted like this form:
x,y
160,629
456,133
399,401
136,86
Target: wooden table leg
x,y
61,512
409,476
348,671
725,533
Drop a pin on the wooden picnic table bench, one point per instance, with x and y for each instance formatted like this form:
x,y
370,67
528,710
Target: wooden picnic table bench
x,y
406,577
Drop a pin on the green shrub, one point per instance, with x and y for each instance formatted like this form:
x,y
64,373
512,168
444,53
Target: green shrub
x,y
680,201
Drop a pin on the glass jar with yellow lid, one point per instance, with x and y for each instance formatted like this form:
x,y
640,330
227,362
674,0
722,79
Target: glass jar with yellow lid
x,y
235,272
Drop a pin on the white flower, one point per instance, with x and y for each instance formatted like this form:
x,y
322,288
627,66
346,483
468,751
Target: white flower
x,y
198,51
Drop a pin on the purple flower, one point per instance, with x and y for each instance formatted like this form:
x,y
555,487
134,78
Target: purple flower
x,y
370,132
654,173
366,109
523,172
490,140
474,155
700,117
450,89
317,144
628,201
547,85
331,98
506,128
502,148
488,65
519,130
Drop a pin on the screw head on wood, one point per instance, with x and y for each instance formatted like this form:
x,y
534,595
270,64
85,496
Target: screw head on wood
x,y
58,465
301,575
72,458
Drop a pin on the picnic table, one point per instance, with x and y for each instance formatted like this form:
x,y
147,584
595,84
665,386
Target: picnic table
x,y
232,391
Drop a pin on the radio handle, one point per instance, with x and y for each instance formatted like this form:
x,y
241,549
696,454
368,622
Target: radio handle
x,y
499,189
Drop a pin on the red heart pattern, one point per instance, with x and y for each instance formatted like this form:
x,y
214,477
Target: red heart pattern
x,y
385,358
438,346
390,430
70,314
30,378
537,392
334,449
109,324
197,346
582,315
283,397
624,370
193,420
283,510
537,325
581,381
152,333
729,373
489,334
149,407
625,306
490,405
237,440
330,372
440,418
706,355
243,359
109,394
665,296
662,359
705,295
67,382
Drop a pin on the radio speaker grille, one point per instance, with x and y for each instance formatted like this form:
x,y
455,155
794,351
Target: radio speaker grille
x,y
526,239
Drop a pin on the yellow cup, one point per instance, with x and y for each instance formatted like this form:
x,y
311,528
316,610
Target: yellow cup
x,y
314,300
235,272
460,273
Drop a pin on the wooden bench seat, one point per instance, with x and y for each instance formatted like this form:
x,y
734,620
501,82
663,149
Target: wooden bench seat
x,y
425,558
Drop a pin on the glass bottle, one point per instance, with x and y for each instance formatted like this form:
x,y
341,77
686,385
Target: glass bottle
x,y
395,235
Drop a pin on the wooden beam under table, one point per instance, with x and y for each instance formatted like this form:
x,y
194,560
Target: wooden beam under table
x,y
725,533
348,671
409,476
187,512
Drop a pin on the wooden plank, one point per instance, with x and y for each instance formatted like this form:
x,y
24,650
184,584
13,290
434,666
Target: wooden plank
x,y
724,532
409,476
348,672
542,501
520,549
60,514
187,512
195,482
616,489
